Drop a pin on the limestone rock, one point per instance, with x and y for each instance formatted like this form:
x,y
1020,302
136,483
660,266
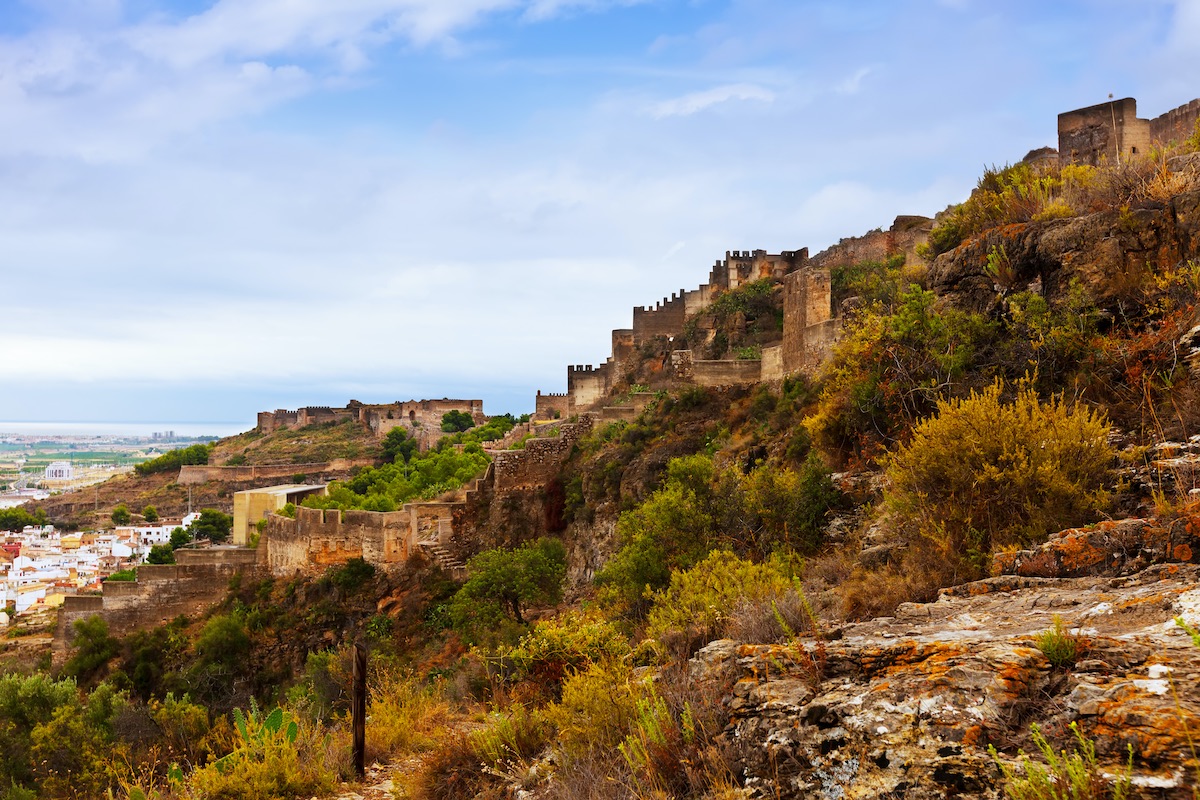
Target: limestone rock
x,y
905,706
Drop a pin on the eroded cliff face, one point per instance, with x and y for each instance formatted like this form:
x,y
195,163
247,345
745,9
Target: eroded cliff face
x,y
905,706
1108,253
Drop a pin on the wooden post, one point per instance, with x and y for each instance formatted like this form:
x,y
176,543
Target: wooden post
x,y
358,709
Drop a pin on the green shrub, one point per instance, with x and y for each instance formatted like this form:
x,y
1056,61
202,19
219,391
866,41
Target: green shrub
x,y
698,510
352,575
1061,647
121,515
173,460
161,554
565,644
212,524
1073,776
893,367
150,514
986,474
93,647
457,421
597,709
271,759
699,600
505,582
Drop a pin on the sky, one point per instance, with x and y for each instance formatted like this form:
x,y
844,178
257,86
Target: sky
x,y
208,209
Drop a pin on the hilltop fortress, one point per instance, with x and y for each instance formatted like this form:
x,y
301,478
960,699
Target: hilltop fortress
x,y
811,324
449,529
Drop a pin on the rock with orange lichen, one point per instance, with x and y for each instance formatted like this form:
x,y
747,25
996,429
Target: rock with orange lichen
x,y
1122,547
905,706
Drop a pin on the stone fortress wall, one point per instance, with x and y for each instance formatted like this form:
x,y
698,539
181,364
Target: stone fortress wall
x,y
421,418
810,323
1112,131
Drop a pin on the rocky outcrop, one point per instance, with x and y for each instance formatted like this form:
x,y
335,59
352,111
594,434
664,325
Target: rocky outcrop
x,y
1107,252
905,706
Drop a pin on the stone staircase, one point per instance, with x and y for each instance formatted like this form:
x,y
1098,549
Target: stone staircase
x,y
443,558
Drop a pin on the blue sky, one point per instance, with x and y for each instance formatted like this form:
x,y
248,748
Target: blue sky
x,y
212,208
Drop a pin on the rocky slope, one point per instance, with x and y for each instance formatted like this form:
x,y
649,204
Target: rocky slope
x,y
904,706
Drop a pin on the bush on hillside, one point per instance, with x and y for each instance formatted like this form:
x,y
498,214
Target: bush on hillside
x,y
698,510
195,454
893,367
699,600
985,474
503,583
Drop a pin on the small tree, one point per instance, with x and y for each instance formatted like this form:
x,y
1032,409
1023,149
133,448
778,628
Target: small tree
x,y
179,537
121,515
94,648
161,554
397,445
511,580
213,525
457,421
150,514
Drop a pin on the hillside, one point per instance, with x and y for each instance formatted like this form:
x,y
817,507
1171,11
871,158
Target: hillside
x,y
975,525
92,507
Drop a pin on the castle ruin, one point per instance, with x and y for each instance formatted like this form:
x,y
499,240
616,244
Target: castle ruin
x,y
1112,131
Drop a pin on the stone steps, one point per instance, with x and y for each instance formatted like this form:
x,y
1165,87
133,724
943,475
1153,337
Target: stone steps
x,y
444,558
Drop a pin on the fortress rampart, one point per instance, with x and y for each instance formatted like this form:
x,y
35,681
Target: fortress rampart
x,y
423,417
161,593
192,474
540,460
1112,131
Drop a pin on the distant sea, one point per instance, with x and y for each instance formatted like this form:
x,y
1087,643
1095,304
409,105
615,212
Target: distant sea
x,y
138,429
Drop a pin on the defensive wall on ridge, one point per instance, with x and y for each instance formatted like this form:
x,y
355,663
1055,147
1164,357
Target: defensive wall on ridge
x,y
1112,130
416,415
540,460
192,474
160,593
811,325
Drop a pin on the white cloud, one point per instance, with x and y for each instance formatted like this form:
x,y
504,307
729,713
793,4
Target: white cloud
x,y
696,102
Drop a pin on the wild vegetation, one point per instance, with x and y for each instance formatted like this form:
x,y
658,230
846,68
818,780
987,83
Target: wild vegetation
x,y
560,663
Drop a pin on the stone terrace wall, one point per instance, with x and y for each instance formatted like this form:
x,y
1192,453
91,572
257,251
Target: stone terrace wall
x,y
201,473
161,593
726,372
540,460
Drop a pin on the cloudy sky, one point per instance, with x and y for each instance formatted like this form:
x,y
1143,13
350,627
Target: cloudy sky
x,y
212,208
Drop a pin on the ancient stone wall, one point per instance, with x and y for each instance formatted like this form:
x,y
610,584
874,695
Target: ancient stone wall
x,y
904,235
587,385
1106,131
552,406
201,473
1177,124
744,266
318,538
271,421
726,372
665,319
809,329
379,418
161,593
772,364
540,460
